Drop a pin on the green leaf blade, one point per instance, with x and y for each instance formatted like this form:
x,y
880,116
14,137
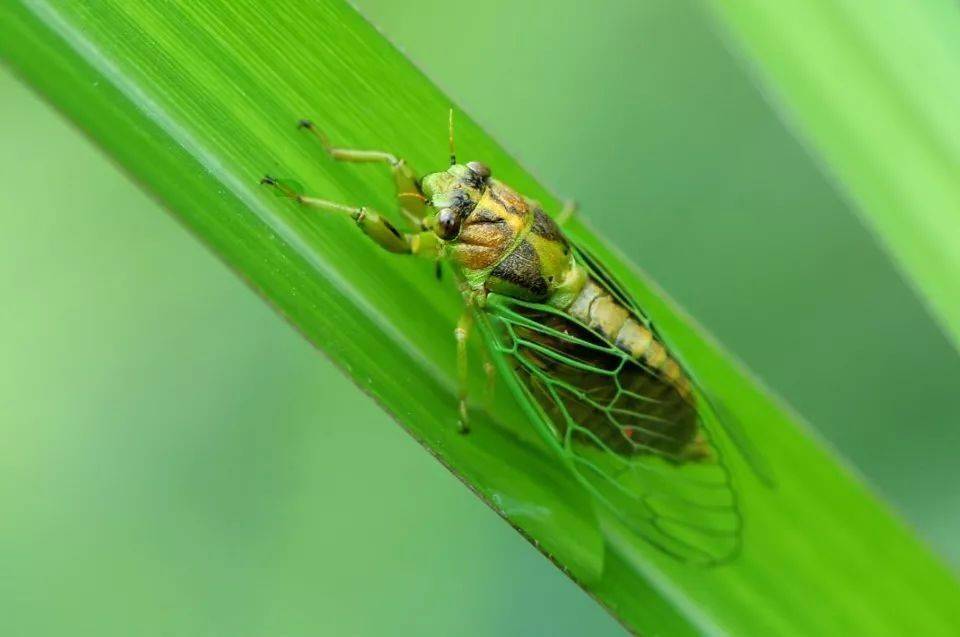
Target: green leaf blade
x,y
199,102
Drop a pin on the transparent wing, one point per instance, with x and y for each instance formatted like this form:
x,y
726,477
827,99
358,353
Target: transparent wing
x,y
642,450
727,420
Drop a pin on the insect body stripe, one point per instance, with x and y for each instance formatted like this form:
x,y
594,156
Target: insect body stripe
x,y
595,307
580,308
655,355
607,316
633,338
508,205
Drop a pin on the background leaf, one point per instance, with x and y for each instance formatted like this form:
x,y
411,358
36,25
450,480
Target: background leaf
x,y
872,87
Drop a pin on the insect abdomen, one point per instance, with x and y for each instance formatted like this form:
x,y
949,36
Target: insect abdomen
x,y
597,308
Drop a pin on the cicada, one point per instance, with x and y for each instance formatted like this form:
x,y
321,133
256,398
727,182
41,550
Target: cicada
x,y
588,365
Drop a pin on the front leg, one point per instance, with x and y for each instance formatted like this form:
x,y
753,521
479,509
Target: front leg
x,y
410,198
377,227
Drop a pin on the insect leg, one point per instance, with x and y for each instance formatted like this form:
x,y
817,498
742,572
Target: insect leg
x,y
491,373
372,224
462,334
568,212
411,199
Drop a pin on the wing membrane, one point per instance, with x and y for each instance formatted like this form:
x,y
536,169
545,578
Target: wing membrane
x,y
642,449
729,422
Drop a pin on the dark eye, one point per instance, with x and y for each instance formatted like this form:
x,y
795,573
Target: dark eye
x,y
481,169
448,224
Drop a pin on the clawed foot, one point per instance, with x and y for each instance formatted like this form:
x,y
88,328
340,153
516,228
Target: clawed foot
x,y
284,187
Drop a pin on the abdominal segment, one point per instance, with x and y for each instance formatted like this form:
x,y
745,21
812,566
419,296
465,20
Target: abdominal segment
x,y
609,390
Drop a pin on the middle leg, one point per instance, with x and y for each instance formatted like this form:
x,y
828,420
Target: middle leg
x,y
462,335
473,302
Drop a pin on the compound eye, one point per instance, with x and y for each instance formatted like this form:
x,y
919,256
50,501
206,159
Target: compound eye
x,y
448,224
481,169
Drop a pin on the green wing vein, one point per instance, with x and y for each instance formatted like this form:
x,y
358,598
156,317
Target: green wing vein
x,y
620,431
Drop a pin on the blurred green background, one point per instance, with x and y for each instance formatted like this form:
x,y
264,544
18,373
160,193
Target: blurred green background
x,y
148,478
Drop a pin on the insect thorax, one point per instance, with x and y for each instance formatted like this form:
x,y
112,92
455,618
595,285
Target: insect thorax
x,y
511,247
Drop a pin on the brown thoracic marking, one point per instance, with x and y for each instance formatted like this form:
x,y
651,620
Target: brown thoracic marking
x,y
595,307
482,215
476,230
522,268
545,227
483,239
510,202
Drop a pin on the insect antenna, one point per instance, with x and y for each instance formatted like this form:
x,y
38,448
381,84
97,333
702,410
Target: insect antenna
x,y
453,152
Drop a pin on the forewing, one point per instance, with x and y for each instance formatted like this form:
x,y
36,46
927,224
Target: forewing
x,y
644,452
723,415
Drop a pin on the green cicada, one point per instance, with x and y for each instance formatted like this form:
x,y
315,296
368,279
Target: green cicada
x,y
590,368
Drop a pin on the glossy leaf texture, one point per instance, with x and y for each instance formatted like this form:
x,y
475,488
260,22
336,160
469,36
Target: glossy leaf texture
x,y
197,101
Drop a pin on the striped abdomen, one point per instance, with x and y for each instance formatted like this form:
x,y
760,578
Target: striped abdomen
x,y
596,308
